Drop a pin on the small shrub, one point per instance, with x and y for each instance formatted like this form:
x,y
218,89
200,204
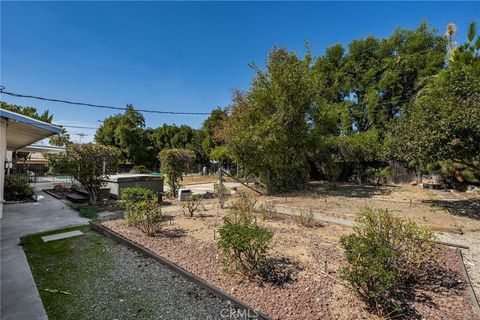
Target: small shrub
x,y
384,254
17,188
306,218
221,193
193,202
244,205
378,176
86,210
142,210
244,244
267,210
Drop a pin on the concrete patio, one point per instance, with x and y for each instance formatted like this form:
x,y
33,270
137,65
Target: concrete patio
x,y
19,295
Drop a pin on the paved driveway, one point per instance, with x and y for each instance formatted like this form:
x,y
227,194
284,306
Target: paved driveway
x,y
19,295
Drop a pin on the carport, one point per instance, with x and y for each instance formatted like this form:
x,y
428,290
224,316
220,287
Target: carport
x,y
18,131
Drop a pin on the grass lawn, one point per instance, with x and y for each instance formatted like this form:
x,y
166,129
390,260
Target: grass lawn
x,y
100,279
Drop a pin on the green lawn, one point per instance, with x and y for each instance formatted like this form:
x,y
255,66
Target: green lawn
x,y
101,279
67,265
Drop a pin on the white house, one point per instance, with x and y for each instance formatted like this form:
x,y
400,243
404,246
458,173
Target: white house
x,y
16,132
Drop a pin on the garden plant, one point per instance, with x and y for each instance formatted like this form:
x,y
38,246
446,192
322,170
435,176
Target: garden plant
x,y
243,242
385,254
142,210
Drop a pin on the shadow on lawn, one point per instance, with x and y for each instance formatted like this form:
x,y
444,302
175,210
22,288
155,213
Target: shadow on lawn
x,y
439,281
463,208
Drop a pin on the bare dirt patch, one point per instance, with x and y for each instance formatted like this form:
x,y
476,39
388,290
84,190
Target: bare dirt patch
x,y
298,289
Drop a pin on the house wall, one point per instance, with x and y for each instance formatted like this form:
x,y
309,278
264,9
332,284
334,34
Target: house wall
x,y
3,154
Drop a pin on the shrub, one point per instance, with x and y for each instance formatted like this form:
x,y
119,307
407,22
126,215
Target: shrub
x,y
193,203
86,210
379,176
306,219
17,188
174,163
383,255
267,210
221,193
142,210
244,245
244,205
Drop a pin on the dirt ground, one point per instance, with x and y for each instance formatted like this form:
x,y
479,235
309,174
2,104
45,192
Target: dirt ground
x,y
200,179
305,292
442,210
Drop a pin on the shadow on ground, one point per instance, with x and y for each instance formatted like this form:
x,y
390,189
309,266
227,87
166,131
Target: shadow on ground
x,y
438,280
322,189
463,208
280,271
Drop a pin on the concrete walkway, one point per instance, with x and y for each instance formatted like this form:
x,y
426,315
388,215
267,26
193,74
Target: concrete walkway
x,y
19,295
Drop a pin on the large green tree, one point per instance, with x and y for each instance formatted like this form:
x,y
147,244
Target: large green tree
x,y
28,111
267,130
444,121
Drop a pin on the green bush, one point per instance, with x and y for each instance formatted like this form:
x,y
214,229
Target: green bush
x,y
86,210
385,254
142,210
174,163
244,244
193,202
17,188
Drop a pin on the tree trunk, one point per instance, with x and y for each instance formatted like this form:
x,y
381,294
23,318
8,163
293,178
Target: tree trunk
x,y
92,196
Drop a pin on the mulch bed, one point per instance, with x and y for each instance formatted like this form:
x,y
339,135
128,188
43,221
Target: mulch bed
x,y
298,289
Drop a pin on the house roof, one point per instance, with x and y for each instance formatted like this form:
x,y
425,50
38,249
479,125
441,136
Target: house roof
x,y
23,131
43,149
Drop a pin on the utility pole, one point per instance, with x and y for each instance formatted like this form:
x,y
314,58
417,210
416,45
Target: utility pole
x,y
80,136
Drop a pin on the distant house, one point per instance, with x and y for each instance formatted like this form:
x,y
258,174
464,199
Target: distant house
x,y
36,161
16,132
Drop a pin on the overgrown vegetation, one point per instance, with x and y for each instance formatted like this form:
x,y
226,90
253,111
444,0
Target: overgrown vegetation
x,y
142,210
17,188
174,163
384,254
193,203
243,242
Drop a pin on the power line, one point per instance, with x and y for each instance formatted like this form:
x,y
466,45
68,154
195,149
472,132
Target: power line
x,y
84,104
76,127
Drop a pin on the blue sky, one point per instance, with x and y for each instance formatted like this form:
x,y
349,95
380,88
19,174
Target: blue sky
x,y
173,56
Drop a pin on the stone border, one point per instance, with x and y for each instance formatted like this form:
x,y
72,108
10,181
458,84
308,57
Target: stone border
x,y
471,292
253,314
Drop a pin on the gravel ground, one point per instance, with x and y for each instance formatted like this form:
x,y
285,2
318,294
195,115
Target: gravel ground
x,y
308,294
160,292
471,256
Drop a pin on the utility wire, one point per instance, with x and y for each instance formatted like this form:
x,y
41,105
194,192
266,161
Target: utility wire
x,y
84,104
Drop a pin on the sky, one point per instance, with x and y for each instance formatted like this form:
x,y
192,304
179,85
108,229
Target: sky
x,y
177,56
